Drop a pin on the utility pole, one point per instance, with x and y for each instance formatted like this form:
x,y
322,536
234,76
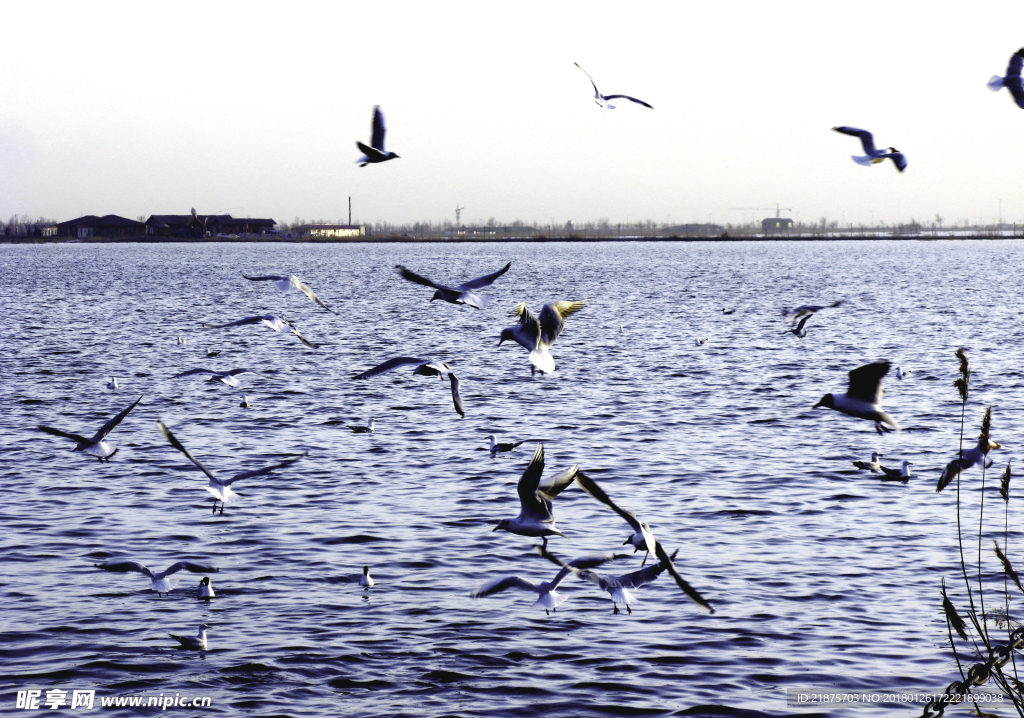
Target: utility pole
x,y
350,211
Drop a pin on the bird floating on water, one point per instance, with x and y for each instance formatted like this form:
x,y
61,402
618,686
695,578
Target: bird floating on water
x,y
375,152
368,429
535,515
863,397
425,367
193,643
158,581
602,100
246,404
873,156
901,474
271,320
465,293
506,446
901,372
112,384
1012,80
289,285
221,490
365,580
96,446
700,342
182,341
227,377
873,465
205,589
536,334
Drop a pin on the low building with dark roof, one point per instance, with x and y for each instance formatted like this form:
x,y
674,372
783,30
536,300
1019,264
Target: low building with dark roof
x,y
205,225
776,224
109,226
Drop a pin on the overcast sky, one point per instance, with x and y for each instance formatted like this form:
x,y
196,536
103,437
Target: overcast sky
x,y
138,109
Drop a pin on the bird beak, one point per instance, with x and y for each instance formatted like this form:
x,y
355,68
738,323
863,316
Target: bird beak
x,y
494,529
818,404
627,541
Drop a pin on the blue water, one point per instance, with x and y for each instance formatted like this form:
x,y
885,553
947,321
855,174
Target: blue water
x,y
822,576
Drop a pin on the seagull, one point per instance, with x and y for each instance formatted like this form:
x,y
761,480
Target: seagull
x,y
182,341
193,643
799,330
537,334
221,490
1012,81
212,353
228,377
700,342
425,367
806,310
465,293
873,156
290,285
863,398
872,465
966,460
366,580
548,597
535,517
602,100
375,152
159,581
727,311
496,447
368,429
271,320
112,384
245,402
205,590
901,372
96,446
901,474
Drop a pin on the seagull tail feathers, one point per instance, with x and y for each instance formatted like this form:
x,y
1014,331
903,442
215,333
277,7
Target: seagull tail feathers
x,y
995,83
861,160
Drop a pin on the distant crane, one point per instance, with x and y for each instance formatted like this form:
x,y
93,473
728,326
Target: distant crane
x,y
458,214
753,209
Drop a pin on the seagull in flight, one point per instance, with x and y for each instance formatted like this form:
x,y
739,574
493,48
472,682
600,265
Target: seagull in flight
x,y
873,465
536,334
465,293
368,429
863,397
873,156
806,310
271,320
424,367
375,152
1012,81
193,643
221,490
535,516
602,100
158,581
227,377
290,285
547,597
96,446
966,460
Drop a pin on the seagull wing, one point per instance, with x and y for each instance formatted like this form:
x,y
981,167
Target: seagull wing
x,y
388,366
527,321
240,322
627,97
420,279
236,372
188,566
378,130
644,576
295,331
57,432
456,396
190,372
866,139
125,567
898,159
552,486
800,326
597,94
1012,81
305,289
501,584
533,503
866,382
109,426
484,281
177,445
271,278
261,472
689,590
552,318
591,487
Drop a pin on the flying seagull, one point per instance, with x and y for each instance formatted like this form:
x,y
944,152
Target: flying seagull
x,y
535,517
221,490
863,398
158,581
547,597
465,293
966,460
799,330
271,320
1012,81
368,429
205,590
496,447
375,152
290,285
806,310
96,446
872,465
536,334
193,643
425,367
228,377
873,156
602,100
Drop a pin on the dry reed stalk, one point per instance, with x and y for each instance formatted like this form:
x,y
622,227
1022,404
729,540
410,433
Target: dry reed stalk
x,y
1007,567
952,616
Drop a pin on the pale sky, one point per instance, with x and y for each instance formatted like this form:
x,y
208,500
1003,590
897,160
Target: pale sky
x,y
138,109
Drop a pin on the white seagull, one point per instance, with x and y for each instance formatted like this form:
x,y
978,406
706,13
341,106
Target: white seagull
x,y
205,590
368,429
547,597
365,580
872,465
863,397
221,490
901,474
227,377
873,155
289,285
425,367
193,643
375,152
535,516
158,581
245,402
966,460
806,310
496,447
602,100
536,334
1012,81
465,293
901,372
96,446
112,384
182,341
271,320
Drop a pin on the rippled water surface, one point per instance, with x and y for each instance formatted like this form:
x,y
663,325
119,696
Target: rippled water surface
x,y
822,576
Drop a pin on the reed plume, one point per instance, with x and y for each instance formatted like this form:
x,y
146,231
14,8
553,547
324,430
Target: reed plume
x,y
964,381
1004,484
952,616
1007,567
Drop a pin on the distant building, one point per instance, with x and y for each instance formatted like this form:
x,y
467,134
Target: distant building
x,y
205,225
776,224
330,231
483,232
109,227
691,230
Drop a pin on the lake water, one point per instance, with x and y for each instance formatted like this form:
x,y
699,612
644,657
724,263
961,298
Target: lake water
x,y
823,577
